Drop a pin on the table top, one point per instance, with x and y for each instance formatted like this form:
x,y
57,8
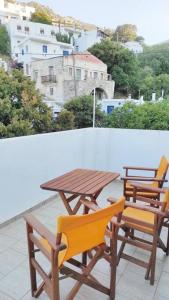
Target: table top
x,y
81,182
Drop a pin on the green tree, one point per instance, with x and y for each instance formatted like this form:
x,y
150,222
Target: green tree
x,y
65,120
82,109
140,39
125,33
4,41
156,57
150,115
22,111
122,64
64,38
40,16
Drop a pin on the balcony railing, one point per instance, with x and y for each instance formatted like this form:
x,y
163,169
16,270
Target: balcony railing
x,y
48,78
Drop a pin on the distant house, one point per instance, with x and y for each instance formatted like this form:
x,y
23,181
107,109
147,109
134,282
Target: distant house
x,y
14,11
33,41
133,46
108,105
61,78
88,38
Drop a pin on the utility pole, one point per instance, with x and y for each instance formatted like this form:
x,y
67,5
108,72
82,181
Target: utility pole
x,y
117,37
94,107
74,73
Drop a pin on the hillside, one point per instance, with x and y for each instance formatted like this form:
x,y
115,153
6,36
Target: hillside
x,y
68,21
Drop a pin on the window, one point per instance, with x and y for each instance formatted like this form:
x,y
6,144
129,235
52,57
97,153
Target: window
x,y
86,75
65,53
27,29
45,49
95,74
51,70
51,91
18,42
19,28
90,74
23,52
27,69
71,72
78,74
24,18
101,76
26,48
110,109
35,75
42,31
53,33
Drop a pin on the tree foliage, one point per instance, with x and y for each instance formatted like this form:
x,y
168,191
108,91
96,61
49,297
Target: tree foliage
x,y
65,120
22,111
125,33
4,41
64,38
147,116
40,16
156,57
122,64
82,108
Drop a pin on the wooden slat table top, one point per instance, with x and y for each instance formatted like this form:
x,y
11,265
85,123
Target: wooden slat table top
x,y
80,182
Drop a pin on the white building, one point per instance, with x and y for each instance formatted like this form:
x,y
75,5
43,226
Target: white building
x,y
31,41
9,11
61,78
87,39
133,46
108,105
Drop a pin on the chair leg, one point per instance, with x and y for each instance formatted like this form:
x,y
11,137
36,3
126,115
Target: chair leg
x,y
152,262
86,273
167,246
113,263
31,255
122,247
55,295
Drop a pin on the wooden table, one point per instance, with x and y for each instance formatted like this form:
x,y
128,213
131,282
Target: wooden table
x,y
80,183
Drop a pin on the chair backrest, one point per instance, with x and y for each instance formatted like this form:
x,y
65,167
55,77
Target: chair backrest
x,y
166,199
83,232
162,170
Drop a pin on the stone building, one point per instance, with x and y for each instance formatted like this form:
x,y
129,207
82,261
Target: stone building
x,y
61,78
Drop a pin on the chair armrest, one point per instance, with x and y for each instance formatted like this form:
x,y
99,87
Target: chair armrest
x,y
147,208
140,168
43,232
118,224
144,179
147,188
90,205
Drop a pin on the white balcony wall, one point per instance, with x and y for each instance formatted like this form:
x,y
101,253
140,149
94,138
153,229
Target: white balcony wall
x,y
26,162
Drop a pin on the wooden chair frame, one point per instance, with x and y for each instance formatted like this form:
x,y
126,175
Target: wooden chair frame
x,y
147,179
132,224
50,281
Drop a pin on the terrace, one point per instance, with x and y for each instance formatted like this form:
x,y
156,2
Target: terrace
x,y
26,162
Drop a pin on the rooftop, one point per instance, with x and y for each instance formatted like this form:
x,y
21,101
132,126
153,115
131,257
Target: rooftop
x,y
26,162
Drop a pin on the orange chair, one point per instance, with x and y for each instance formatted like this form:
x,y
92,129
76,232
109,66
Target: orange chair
x,y
146,219
75,234
155,181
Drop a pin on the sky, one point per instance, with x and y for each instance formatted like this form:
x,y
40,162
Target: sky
x,y
150,16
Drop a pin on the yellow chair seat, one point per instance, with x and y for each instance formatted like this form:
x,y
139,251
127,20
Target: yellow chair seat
x,y
129,190
140,215
62,253
130,187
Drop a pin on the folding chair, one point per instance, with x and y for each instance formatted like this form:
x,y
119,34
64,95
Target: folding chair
x,y
75,234
155,181
146,219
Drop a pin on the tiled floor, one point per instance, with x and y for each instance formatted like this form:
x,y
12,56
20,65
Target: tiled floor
x,y
14,269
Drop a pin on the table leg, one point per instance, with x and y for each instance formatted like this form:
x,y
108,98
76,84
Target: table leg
x,y
67,200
